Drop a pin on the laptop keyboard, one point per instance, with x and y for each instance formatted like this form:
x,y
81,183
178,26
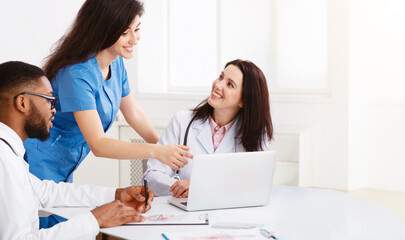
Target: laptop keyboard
x,y
184,203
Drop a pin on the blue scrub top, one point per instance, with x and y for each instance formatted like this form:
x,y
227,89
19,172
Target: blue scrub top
x,y
78,87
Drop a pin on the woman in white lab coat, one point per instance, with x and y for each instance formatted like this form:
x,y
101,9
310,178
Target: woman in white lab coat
x,y
234,118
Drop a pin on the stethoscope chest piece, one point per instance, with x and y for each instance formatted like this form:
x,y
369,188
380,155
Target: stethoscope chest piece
x,y
176,177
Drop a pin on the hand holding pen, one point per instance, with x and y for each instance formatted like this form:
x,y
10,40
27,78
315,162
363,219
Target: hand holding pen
x,y
135,197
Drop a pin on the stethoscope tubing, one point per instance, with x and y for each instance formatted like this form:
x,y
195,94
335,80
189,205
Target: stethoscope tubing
x,y
176,174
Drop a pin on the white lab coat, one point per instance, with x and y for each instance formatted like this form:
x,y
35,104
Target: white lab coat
x,y
159,175
22,195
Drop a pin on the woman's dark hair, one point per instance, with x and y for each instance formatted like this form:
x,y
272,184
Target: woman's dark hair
x,y
254,118
98,25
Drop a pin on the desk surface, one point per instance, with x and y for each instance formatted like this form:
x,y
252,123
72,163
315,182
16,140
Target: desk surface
x,y
293,213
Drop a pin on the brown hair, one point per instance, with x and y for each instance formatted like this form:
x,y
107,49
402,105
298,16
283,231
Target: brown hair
x,y
254,118
98,25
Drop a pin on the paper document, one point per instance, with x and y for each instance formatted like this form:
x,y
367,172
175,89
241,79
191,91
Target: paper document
x,y
174,219
245,234
236,225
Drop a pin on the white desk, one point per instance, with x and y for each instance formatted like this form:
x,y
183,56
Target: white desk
x,y
293,213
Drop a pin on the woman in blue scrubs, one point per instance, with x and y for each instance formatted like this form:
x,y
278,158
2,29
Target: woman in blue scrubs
x,y
88,76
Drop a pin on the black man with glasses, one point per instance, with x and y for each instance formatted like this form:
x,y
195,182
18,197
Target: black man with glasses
x,y
51,99
27,110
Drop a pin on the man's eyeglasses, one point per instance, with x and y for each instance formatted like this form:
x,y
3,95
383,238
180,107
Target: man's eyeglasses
x,y
50,98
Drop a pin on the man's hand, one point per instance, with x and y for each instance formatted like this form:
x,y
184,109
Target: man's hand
x,y
134,196
115,214
180,188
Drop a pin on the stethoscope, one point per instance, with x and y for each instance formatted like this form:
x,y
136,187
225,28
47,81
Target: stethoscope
x,y
176,174
12,149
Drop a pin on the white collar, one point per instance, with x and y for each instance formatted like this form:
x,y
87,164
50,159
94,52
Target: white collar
x,y
13,139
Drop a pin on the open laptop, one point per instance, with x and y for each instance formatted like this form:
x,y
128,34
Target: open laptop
x,y
229,180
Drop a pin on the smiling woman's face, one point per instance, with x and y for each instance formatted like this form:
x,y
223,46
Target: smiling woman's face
x,y
226,92
125,45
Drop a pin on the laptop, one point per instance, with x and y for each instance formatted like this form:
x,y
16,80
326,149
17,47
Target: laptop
x,y
229,180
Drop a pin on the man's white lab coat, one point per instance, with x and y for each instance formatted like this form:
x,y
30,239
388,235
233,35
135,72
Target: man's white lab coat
x,y
22,195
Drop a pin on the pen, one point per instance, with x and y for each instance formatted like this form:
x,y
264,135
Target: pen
x,y
267,234
57,139
164,236
145,185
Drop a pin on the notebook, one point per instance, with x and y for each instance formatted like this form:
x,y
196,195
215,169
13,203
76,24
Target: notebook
x,y
229,180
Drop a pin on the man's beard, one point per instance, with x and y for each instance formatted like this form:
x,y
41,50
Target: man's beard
x,y
36,126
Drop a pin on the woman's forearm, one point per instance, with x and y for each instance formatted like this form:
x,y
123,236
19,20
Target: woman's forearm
x,y
138,120
112,148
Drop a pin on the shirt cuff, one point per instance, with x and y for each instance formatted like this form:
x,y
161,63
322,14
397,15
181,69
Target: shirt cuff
x,y
83,226
110,195
93,223
172,181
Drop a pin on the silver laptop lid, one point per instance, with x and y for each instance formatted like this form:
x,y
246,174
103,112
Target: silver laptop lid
x,y
231,180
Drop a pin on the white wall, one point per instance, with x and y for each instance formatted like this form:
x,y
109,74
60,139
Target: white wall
x,y
29,28
351,111
377,99
308,74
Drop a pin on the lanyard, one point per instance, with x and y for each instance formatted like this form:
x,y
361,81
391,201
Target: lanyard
x,y
8,145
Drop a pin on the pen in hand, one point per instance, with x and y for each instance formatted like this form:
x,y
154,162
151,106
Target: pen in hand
x,y
145,185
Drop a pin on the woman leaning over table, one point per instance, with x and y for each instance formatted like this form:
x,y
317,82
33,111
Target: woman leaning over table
x,y
88,76
234,118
